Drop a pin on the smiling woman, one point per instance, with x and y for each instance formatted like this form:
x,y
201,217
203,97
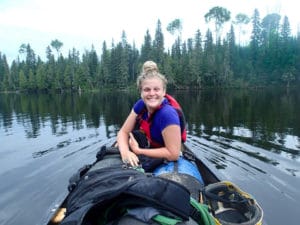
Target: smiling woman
x,y
155,117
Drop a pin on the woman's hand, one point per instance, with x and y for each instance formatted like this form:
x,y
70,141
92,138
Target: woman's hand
x,y
122,139
133,144
130,158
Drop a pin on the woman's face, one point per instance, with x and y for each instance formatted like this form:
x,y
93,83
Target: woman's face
x,y
152,93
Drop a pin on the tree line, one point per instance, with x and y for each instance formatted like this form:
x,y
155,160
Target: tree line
x,y
272,56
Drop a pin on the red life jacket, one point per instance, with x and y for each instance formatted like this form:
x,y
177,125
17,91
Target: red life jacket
x,y
144,125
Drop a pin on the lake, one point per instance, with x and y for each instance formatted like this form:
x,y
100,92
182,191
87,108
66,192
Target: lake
x,y
249,137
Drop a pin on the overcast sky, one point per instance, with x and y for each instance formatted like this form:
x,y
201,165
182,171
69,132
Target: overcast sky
x,y
83,23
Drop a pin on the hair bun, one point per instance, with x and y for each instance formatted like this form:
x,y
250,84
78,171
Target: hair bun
x,y
149,66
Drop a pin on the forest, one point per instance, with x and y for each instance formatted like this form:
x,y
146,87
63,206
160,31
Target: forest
x,y
210,59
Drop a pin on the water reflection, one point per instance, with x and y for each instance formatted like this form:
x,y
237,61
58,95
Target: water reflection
x,y
62,111
279,143
263,118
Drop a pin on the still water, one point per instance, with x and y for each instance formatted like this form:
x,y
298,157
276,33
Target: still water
x,y
251,138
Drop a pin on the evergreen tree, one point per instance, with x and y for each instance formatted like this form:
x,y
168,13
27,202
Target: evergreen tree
x,y
5,77
41,77
48,53
105,65
31,85
93,66
73,63
287,61
185,66
270,47
146,49
196,60
14,71
209,61
50,73
158,46
30,59
232,50
256,41
133,62
125,61
22,80
68,77
121,70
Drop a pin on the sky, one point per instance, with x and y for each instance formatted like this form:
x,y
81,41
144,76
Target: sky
x,y
80,24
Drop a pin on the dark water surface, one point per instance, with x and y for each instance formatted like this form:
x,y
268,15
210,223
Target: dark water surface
x,y
249,137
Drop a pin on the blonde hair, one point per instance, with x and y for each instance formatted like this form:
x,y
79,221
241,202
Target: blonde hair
x,y
149,66
150,70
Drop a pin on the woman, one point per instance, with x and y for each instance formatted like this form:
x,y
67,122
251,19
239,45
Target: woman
x,y
154,115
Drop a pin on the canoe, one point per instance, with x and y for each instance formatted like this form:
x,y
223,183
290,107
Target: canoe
x,y
174,189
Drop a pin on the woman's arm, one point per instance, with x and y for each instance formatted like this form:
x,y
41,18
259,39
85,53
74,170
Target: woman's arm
x,y
172,138
123,140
